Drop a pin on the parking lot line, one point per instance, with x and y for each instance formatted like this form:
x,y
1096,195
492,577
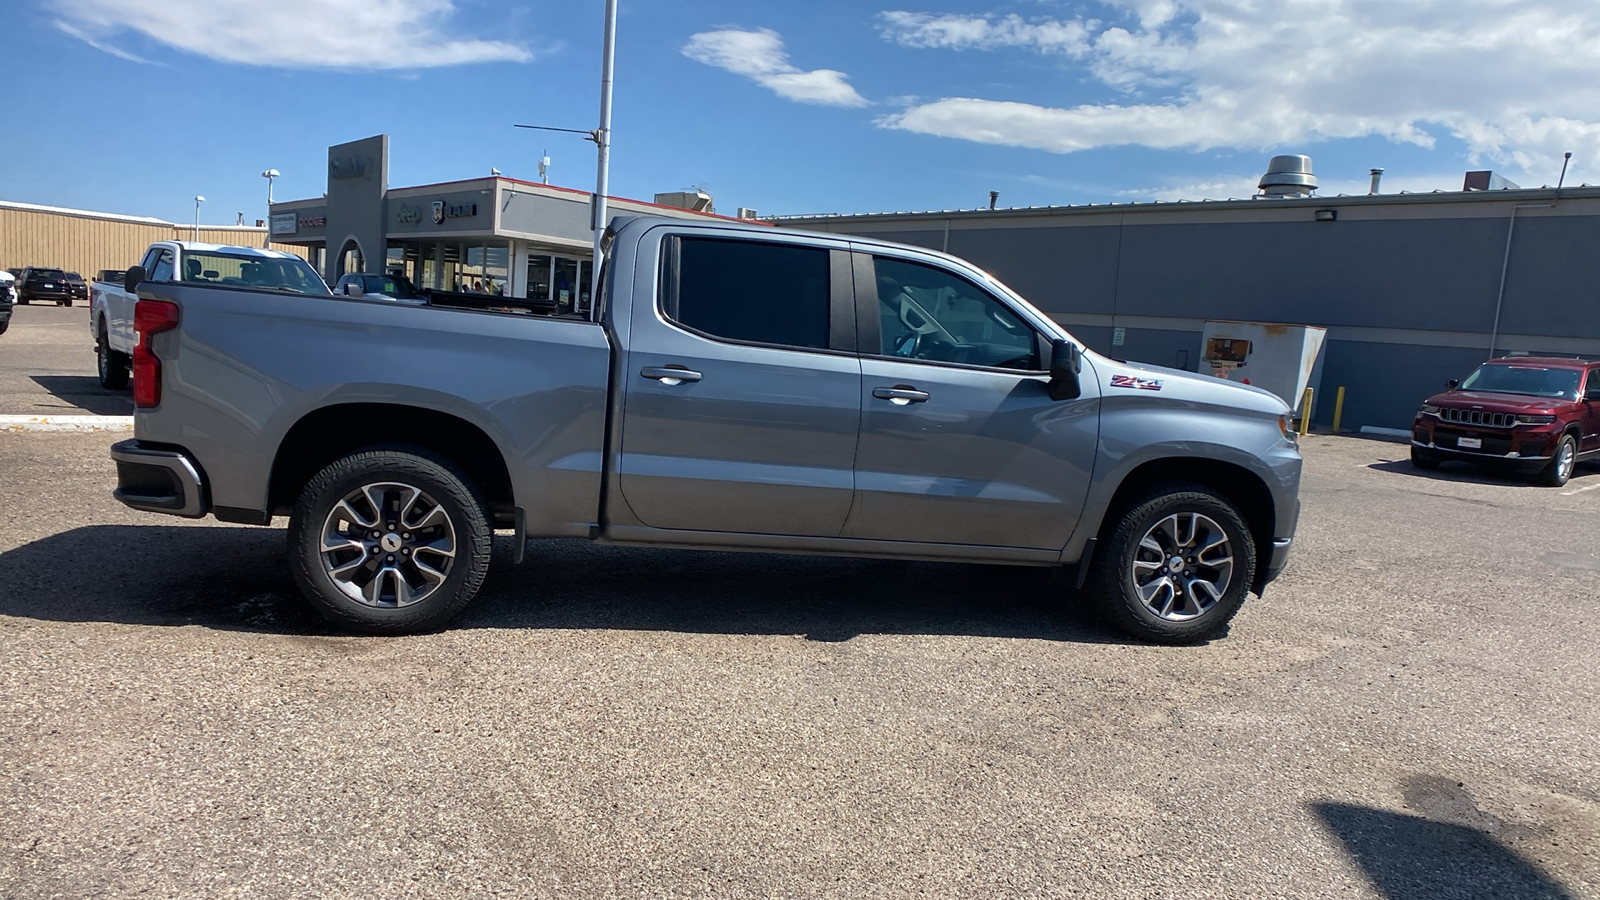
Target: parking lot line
x,y
66,423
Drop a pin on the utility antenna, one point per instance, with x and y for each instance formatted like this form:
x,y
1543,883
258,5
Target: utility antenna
x,y
544,168
1565,158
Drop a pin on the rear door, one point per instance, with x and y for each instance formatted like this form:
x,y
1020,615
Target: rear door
x,y
743,392
960,441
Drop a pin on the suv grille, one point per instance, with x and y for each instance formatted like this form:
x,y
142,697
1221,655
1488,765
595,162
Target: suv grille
x,y
1478,417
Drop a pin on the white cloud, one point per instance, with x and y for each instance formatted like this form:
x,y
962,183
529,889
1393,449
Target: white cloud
x,y
297,34
759,56
957,32
1513,79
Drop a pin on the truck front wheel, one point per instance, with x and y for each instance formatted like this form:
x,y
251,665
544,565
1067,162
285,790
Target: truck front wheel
x,y
1175,566
389,541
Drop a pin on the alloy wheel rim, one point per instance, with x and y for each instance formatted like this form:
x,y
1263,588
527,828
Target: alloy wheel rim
x,y
388,545
1182,567
1568,455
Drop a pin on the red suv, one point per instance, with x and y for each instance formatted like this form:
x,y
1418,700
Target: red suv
x,y
1540,415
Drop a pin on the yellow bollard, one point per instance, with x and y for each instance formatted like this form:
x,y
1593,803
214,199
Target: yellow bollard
x,y
1338,409
1305,414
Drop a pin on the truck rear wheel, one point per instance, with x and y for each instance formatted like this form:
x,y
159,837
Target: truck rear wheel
x,y
1175,565
389,541
111,365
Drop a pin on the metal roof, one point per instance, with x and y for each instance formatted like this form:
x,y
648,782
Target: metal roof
x,y
1334,200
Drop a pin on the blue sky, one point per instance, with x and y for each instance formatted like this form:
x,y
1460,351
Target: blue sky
x,y
135,106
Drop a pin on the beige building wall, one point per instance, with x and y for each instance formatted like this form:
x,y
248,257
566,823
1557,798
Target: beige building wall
x,y
86,242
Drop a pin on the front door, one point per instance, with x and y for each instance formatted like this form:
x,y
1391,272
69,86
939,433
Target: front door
x,y
743,392
960,441
1589,396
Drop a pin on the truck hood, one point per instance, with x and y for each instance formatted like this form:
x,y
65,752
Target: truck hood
x,y
1187,385
1495,402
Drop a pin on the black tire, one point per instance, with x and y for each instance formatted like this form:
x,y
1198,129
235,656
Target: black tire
x,y
1422,459
1561,466
1113,573
441,483
4,325
21,300
111,366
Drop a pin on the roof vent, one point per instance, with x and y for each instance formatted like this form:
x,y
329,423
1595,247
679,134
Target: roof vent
x,y
697,200
1288,176
1487,181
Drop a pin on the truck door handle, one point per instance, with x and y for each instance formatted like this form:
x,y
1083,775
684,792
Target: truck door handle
x,y
669,374
900,394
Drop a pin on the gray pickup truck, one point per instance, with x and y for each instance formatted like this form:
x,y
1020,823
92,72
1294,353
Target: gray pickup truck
x,y
736,387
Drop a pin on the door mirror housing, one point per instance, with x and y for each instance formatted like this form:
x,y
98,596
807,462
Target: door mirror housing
x,y
1452,384
1593,394
1066,363
131,278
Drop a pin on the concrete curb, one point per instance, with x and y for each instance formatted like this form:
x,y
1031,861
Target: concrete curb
x,y
65,423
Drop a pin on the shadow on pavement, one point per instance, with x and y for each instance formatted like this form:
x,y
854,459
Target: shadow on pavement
x,y
85,393
237,578
1412,858
1466,473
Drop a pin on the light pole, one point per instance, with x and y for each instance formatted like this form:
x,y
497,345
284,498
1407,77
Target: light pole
x,y
197,201
602,140
269,175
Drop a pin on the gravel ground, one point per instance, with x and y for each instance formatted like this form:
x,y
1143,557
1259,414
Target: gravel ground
x,y
1408,713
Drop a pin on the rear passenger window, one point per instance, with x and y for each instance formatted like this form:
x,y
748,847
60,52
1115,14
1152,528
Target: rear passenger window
x,y
748,291
162,271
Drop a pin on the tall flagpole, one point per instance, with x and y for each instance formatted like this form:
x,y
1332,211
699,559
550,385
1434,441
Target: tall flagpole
x,y
603,143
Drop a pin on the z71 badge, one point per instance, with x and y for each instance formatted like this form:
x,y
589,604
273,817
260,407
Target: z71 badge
x,y
1129,381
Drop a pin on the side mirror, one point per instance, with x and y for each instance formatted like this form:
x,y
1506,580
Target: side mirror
x,y
131,279
349,289
1452,384
1066,362
1593,395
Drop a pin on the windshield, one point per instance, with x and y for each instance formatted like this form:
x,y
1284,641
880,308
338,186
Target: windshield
x,y
265,273
1537,381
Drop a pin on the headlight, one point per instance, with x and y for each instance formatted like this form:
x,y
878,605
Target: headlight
x,y
1287,427
1536,420
1428,410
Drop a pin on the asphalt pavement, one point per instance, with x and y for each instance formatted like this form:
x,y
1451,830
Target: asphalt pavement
x,y
47,365
1408,713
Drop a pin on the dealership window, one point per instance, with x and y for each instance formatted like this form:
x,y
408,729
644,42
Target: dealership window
x,y
562,279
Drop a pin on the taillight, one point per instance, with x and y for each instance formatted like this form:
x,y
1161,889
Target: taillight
x,y
150,317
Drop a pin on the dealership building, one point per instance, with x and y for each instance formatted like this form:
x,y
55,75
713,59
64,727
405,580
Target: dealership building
x,y
491,235
1412,289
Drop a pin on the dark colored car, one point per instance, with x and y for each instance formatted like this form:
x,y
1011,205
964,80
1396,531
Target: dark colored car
x,y
8,297
379,287
37,283
79,287
1537,415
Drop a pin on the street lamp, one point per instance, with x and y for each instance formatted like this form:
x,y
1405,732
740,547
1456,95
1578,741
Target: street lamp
x,y
269,175
197,201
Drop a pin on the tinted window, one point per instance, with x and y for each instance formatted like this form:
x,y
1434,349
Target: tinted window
x,y
162,270
930,314
1537,381
751,291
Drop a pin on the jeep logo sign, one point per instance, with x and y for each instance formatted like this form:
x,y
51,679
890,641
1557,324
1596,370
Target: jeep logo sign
x,y
443,210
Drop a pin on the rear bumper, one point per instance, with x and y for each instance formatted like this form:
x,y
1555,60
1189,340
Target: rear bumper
x,y
159,479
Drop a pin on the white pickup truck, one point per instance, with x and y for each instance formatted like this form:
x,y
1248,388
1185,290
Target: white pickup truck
x,y
111,305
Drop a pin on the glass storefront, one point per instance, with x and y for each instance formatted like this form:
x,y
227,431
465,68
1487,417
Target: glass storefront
x,y
469,267
560,278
